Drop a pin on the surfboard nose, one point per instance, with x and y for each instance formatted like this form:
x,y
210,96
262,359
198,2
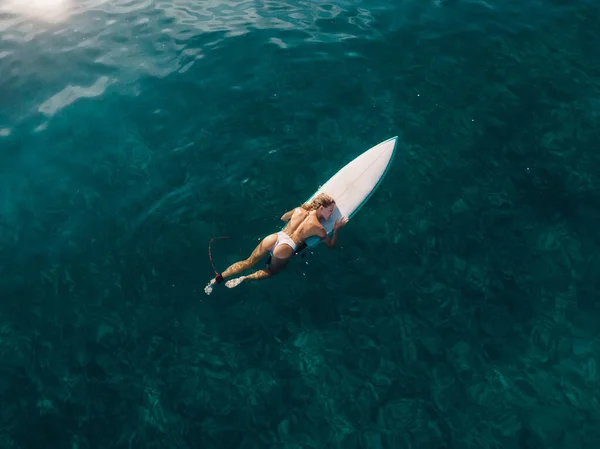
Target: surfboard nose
x,y
385,149
392,141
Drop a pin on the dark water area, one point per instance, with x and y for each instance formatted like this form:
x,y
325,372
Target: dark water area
x,y
460,308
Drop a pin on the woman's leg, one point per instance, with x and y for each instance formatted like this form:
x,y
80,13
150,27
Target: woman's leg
x,y
259,252
277,264
257,275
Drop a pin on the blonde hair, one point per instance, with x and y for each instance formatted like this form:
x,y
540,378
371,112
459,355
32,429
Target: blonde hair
x,y
322,199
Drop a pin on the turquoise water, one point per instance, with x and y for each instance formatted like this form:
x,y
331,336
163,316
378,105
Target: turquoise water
x,y
460,309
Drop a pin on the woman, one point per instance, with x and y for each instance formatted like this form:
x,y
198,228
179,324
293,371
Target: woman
x,y
302,222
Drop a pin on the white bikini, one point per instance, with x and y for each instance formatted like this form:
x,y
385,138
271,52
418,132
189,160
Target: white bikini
x,y
284,239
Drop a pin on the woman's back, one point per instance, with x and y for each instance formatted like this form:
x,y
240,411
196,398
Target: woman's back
x,y
301,225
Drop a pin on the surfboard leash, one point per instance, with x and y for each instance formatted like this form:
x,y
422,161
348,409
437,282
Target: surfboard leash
x,y
218,276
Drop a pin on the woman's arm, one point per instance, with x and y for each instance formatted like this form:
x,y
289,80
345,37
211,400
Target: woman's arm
x,y
288,215
330,241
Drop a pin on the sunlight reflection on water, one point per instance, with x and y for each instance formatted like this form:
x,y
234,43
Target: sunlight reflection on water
x,y
53,11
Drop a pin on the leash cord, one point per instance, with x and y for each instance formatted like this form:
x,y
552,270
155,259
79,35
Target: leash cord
x,y
210,252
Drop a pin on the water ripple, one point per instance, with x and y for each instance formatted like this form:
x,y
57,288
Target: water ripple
x,y
72,93
52,46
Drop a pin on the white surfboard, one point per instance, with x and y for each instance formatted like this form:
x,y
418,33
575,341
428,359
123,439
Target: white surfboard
x,y
352,186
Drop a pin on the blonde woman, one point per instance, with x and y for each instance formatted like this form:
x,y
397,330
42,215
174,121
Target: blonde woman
x,y
302,222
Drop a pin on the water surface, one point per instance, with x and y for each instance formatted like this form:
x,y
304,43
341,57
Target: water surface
x,y
459,310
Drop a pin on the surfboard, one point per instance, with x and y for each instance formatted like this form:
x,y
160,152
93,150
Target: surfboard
x,y
353,185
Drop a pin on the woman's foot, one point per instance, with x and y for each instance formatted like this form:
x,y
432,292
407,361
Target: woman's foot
x,y
216,280
235,282
209,288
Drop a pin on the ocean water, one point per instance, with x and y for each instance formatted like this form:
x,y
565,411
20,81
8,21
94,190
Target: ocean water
x,y
460,308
